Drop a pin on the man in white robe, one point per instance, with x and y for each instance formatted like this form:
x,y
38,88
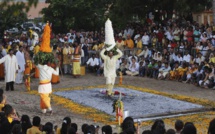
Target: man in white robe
x,y
21,62
11,68
110,61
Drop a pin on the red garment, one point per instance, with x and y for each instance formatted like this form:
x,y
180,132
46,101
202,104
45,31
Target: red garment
x,y
149,21
52,36
119,41
66,38
189,36
117,93
160,36
173,45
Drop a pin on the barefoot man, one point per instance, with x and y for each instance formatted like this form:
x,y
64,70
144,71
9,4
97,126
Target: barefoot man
x,y
42,59
110,59
45,87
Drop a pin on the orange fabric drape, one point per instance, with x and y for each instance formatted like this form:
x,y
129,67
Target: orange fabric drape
x,y
45,101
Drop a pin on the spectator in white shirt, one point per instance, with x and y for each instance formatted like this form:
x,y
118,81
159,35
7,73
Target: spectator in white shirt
x,y
181,47
145,52
203,37
16,40
164,71
82,57
136,37
157,56
205,49
199,59
93,63
124,66
179,58
199,46
130,59
133,68
145,39
61,39
131,31
168,34
126,32
186,57
173,56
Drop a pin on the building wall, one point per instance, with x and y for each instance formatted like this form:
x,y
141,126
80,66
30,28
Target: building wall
x,y
203,17
34,12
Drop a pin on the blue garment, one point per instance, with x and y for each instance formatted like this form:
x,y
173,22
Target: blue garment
x,y
150,53
85,49
196,33
70,41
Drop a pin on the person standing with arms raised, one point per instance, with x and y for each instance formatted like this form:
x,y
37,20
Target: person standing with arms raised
x,y
110,59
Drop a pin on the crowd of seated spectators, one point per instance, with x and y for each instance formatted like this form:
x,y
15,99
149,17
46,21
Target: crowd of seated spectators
x,y
173,49
176,51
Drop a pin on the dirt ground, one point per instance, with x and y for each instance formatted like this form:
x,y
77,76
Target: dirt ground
x,y
29,104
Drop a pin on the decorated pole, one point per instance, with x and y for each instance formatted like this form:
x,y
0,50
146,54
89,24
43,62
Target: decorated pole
x,y
120,110
118,107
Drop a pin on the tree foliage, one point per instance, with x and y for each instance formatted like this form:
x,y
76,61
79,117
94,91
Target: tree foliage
x,y
91,14
81,14
123,10
12,13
